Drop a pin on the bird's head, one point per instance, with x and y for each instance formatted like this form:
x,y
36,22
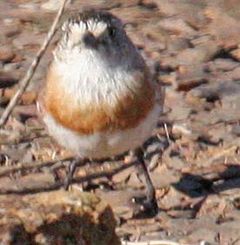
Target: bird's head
x,y
97,31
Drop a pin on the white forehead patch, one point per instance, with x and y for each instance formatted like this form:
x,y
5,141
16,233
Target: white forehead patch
x,y
91,25
96,27
77,27
76,30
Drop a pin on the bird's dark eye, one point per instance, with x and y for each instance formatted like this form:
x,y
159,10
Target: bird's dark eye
x,y
112,31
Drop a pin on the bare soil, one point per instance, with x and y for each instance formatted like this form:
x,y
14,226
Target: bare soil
x,y
194,46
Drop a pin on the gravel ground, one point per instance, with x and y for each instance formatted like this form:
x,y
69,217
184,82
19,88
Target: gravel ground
x,y
194,46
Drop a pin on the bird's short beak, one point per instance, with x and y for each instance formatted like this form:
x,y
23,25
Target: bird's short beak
x,y
89,40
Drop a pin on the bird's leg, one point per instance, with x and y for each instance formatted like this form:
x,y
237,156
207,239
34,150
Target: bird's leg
x,y
149,205
71,170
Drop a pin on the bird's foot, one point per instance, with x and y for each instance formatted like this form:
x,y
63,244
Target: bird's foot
x,y
144,206
71,170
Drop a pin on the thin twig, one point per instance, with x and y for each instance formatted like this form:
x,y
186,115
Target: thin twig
x,y
30,167
167,133
29,74
159,242
57,185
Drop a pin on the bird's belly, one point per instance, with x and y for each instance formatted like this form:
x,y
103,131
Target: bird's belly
x,y
105,143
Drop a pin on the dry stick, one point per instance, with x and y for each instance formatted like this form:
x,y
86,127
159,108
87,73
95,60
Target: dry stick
x,y
31,167
26,80
159,242
57,185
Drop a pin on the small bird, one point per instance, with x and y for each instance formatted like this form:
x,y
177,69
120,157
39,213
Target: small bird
x,y
100,98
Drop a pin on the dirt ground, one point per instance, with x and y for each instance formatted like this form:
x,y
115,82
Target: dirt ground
x,y
194,47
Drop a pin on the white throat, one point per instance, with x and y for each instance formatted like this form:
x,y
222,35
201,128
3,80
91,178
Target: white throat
x,y
90,79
